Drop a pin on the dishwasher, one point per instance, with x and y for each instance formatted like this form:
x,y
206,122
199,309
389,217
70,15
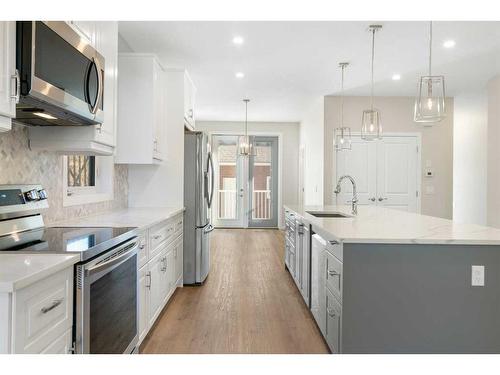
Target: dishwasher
x,y
318,281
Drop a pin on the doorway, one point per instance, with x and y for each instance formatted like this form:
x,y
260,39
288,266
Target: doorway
x,y
246,194
386,171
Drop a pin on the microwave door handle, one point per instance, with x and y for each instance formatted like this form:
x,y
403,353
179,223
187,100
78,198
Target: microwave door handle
x,y
98,98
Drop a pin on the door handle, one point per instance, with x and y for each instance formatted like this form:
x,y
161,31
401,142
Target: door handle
x,y
17,86
380,199
373,199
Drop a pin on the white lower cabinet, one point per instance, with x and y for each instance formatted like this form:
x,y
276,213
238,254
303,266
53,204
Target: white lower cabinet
x,y
161,272
38,318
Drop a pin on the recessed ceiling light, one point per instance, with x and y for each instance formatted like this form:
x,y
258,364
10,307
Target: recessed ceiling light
x,y
449,44
239,75
238,40
396,77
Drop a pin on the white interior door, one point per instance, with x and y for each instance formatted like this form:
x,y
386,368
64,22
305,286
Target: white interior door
x,y
385,171
360,163
397,173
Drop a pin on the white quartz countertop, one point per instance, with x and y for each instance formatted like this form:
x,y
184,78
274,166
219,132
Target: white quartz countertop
x,y
20,270
129,217
375,224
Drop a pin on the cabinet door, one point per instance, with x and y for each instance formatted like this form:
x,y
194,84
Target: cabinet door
x,y
159,111
170,272
62,345
306,256
106,35
157,288
179,265
144,277
333,322
7,71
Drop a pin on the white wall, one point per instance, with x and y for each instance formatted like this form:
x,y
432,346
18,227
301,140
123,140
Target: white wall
x,y
470,128
312,139
289,133
493,179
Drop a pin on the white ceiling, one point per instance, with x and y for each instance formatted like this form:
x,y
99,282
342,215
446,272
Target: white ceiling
x,y
288,63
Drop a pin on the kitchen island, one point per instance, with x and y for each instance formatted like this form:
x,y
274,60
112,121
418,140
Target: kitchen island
x,y
387,281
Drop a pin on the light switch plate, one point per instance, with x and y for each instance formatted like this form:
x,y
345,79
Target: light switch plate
x,y
477,276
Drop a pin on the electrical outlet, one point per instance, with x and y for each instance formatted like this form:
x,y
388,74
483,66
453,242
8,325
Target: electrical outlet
x,y
477,276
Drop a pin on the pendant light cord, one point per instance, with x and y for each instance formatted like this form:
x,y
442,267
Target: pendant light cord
x,y
342,98
430,48
373,57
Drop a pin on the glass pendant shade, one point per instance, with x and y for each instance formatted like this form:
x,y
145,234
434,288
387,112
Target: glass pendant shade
x,y
429,105
371,125
342,139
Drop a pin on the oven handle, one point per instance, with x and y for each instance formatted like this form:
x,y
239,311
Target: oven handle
x,y
115,262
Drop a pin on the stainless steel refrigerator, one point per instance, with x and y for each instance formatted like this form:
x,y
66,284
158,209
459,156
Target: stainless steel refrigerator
x,y
198,196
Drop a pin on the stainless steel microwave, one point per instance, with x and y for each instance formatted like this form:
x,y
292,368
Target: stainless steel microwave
x,y
60,76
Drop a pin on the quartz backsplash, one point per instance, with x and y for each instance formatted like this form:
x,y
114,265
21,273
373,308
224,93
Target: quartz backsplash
x,y
20,165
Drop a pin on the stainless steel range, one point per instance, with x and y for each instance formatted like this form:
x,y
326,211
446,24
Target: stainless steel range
x,y
106,289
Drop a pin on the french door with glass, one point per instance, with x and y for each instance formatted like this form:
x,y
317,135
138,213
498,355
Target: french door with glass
x,y
246,186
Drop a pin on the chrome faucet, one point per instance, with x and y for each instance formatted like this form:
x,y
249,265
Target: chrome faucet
x,y
354,200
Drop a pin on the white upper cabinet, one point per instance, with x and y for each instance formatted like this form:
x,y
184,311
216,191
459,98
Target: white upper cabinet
x,y
7,74
92,139
189,102
142,88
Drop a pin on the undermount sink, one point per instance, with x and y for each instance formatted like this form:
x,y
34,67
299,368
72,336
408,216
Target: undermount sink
x,y
328,214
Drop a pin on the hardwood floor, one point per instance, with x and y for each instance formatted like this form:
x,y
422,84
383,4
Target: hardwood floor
x,y
249,303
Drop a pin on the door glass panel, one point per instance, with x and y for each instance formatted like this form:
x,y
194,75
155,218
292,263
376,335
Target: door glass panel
x,y
227,184
60,64
263,182
113,309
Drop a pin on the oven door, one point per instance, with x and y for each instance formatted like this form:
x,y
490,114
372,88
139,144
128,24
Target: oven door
x,y
107,302
65,69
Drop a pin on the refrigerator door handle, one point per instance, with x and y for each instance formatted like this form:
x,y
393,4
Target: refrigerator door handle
x,y
209,228
210,164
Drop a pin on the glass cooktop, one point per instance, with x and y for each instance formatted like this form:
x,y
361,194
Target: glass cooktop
x,y
62,240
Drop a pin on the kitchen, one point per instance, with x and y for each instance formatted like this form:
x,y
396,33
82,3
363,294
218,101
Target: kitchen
x,y
185,187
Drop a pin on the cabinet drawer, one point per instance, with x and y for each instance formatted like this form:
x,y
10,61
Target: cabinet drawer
x,y
178,226
334,275
43,312
333,322
335,248
143,252
62,345
160,234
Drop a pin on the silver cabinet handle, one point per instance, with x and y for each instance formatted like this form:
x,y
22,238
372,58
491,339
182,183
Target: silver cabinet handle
x,y
333,273
333,242
54,304
191,113
148,275
17,93
331,313
164,262
142,246
380,199
373,199
156,236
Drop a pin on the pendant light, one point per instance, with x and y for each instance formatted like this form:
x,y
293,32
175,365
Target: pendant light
x,y
429,104
245,146
342,134
371,127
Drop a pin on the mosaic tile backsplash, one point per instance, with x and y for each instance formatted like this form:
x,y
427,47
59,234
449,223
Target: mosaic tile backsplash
x,y
20,165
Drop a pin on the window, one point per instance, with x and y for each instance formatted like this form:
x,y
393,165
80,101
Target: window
x,y
88,179
81,171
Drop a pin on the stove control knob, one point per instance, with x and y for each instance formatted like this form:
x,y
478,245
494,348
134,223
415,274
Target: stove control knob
x,y
32,195
42,194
